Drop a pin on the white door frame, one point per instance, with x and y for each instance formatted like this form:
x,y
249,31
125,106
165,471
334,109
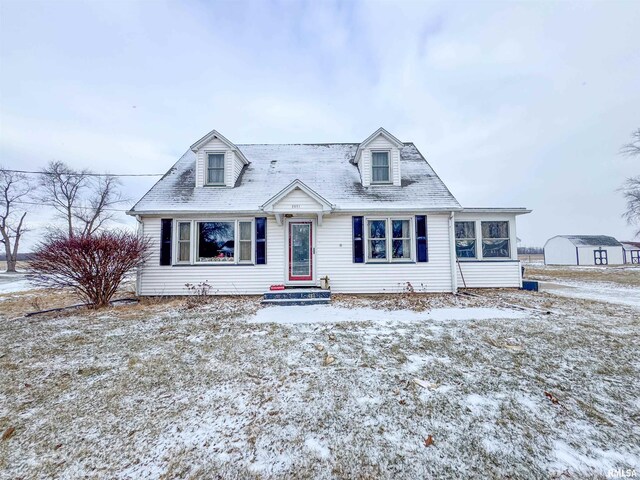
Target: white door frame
x,y
314,226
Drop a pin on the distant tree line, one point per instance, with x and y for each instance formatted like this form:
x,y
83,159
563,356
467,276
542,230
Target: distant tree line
x,y
530,250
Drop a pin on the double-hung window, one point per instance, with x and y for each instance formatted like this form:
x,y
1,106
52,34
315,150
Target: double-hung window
x,y
389,239
380,171
600,257
215,169
184,242
495,240
245,240
465,239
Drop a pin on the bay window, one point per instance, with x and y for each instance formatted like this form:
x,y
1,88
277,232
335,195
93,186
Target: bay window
x,y
465,239
495,240
389,239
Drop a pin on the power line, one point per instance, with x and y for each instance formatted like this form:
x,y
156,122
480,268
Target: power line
x,y
87,174
75,206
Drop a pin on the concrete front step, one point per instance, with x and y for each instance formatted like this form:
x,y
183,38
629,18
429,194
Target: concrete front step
x,y
282,302
298,293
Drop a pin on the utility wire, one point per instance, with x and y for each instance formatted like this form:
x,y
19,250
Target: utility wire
x,y
88,174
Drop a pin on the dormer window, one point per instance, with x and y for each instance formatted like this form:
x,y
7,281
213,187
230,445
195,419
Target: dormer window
x,y
380,171
215,169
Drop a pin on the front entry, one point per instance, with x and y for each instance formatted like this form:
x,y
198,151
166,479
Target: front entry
x,y
300,251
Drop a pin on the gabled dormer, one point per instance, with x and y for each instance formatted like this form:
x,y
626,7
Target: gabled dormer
x,y
218,161
378,159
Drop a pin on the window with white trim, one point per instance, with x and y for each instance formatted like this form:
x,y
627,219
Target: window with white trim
x,y
380,167
245,241
465,239
184,242
495,240
389,239
215,169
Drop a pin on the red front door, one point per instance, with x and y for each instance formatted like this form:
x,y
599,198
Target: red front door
x,y
300,251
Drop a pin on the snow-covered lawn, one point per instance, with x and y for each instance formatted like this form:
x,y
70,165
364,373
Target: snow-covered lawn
x,y
229,390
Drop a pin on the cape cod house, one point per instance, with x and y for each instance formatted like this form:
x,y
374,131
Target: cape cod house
x,y
365,217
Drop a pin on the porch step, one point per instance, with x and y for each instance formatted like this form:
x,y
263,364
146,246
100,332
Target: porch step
x,y
297,296
283,302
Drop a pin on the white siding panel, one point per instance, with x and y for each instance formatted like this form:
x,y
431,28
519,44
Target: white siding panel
x,y
237,168
587,257
380,143
334,258
214,145
488,274
224,279
297,201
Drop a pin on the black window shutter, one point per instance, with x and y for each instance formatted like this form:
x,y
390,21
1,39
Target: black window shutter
x,y
358,239
422,252
261,241
165,241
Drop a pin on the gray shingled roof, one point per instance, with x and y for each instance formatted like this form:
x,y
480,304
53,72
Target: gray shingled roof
x,y
592,240
325,168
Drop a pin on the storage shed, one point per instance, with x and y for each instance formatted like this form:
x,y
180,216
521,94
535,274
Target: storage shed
x,y
583,250
631,252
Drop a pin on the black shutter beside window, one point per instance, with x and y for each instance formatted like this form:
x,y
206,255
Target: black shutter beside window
x,y
166,225
422,252
261,241
358,239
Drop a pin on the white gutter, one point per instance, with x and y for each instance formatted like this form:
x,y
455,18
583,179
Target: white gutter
x,y
452,253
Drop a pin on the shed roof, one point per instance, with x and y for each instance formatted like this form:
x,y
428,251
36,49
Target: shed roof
x,y
592,240
631,245
325,168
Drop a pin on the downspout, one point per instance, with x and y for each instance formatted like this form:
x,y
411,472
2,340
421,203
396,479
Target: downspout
x,y
452,254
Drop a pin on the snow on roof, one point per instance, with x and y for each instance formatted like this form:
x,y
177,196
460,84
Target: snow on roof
x,y
631,245
325,168
592,240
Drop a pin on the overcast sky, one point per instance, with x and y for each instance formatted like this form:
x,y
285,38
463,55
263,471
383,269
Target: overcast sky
x,y
513,104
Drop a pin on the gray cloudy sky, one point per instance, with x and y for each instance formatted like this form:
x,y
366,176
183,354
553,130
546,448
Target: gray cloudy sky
x,y
513,104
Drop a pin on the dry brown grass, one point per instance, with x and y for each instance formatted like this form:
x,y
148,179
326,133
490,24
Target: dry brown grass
x,y
627,275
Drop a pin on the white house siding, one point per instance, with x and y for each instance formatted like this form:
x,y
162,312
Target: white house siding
x,y
488,273
614,255
297,201
237,167
334,258
560,251
380,143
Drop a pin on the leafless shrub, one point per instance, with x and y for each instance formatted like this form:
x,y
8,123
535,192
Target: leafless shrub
x,y
199,294
93,266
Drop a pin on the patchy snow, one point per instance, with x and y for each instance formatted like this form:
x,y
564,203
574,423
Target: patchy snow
x,y
12,283
335,314
598,291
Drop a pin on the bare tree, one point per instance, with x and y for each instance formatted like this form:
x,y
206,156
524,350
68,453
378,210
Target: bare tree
x,y
631,188
93,266
81,198
14,188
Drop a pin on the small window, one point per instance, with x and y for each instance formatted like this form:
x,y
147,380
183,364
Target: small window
x,y
495,240
184,242
377,240
245,241
600,257
401,241
215,169
216,242
380,167
465,239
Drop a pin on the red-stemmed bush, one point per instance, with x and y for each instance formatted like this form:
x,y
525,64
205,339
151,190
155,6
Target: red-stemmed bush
x,y
93,266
